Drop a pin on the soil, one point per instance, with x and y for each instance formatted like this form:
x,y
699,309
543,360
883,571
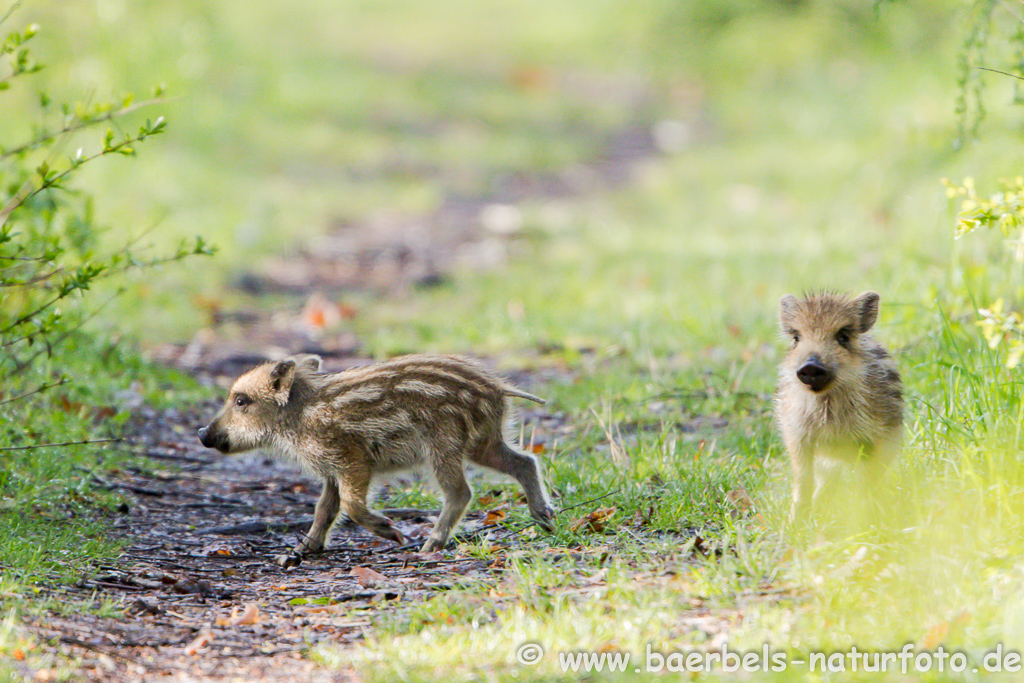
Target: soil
x,y
197,595
197,587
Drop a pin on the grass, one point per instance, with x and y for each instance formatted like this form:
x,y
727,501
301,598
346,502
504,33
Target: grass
x,y
816,162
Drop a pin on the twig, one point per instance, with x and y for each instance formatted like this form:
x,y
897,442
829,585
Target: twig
x,y
57,445
41,388
1002,73
10,11
79,125
256,527
588,502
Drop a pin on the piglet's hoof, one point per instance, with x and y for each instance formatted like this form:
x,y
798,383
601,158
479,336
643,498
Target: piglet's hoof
x,y
432,545
288,561
544,519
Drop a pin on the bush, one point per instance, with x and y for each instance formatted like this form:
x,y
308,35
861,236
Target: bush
x,y
52,253
1002,326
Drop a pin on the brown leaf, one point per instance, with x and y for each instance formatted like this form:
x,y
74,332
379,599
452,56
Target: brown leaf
x,y
67,405
494,516
741,499
215,548
320,312
537,448
249,615
367,577
202,640
595,521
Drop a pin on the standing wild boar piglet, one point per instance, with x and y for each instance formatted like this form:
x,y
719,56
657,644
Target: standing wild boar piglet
x,y
840,397
431,411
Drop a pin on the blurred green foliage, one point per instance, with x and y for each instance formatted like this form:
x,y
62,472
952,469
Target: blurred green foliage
x,y
57,402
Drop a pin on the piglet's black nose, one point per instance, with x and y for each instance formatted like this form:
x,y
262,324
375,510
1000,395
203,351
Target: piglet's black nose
x,y
815,375
203,431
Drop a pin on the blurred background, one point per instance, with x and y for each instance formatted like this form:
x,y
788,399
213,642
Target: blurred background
x,y
481,176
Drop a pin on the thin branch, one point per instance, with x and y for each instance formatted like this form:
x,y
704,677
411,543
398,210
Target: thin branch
x,y
25,318
25,192
22,258
79,125
21,366
588,502
997,71
10,11
38,390
34,280
59,445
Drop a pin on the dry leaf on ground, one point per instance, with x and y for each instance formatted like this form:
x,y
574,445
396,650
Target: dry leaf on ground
x,y
367,577
202,640
595,521
249,615
495,515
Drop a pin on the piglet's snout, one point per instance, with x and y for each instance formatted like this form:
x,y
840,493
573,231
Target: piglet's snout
x,y
814,374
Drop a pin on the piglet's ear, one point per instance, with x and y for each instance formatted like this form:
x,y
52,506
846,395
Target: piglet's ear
x,y
281,377
787,307
308,362
867,309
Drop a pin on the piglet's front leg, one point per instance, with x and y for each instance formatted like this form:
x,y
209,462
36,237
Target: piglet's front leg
x,y
323,518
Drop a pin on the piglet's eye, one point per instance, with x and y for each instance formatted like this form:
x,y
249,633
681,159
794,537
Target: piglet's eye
x,y
843,336
242,400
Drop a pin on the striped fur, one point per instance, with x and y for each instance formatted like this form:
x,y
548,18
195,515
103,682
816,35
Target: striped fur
x,y
431,411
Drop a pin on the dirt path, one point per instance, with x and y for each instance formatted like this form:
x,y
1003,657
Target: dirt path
x,y
201,596
196,593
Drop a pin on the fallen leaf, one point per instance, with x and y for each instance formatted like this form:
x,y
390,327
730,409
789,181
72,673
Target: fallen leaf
x,y
494,516
321,609
320,312
18,654
202,640
537,448
249,615
367,577
488,498
741,499
595,521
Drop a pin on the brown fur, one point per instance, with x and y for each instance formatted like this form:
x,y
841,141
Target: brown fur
x,y
857,417
436,411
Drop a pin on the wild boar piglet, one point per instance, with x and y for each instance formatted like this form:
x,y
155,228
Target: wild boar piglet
x,y
435,412
840,396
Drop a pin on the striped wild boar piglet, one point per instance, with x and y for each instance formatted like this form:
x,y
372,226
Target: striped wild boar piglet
x,y
436,412
840,396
